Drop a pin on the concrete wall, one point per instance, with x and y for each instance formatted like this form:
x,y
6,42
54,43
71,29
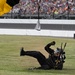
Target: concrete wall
x,y
57,28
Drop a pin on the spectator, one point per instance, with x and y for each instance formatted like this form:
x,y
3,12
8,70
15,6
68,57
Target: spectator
x,y
46,6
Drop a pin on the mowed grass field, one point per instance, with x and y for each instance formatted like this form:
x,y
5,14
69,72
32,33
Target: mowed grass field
x,y
11,63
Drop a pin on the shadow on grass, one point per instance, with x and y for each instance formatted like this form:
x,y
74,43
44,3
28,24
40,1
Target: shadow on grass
x,y
65,71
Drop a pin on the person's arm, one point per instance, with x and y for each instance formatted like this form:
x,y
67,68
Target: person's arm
x,y
48,49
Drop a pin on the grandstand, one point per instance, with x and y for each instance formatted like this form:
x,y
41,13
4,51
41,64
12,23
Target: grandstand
x,y
49,9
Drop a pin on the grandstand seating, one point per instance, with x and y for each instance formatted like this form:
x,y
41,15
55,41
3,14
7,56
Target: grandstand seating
x,y
48,9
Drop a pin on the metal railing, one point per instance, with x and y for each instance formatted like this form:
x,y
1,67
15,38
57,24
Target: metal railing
x,y
35,16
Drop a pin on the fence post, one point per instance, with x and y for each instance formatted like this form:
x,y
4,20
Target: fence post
x,y
74,36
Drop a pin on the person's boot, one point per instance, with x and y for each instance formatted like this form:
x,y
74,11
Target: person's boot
x,y
22,52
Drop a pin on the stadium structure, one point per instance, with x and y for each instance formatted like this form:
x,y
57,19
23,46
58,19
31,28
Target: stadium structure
x,y
56,18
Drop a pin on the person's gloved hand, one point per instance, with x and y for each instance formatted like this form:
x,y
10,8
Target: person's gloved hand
x,y
53,42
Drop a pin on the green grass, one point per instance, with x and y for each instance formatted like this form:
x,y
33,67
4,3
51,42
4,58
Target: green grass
x,y
12,64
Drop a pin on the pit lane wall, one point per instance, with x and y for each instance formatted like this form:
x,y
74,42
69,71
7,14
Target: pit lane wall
x,y
55,28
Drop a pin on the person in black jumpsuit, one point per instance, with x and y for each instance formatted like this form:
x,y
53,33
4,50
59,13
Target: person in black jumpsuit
x,y
46,63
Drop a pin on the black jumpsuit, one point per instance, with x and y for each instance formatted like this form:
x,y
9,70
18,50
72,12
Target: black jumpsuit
x,y
46,63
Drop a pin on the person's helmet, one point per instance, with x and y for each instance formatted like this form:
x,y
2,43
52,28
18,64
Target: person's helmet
x,y
57,50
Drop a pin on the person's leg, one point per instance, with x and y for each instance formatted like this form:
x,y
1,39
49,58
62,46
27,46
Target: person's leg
x,y
36,54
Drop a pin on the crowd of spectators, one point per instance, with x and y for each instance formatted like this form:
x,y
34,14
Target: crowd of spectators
x,y
47,7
